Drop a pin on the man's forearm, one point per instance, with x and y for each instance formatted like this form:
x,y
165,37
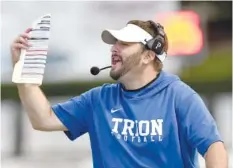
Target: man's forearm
x,y
216,156
34,102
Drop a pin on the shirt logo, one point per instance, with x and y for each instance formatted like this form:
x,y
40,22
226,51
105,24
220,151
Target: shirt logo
x,y
137,130
113,110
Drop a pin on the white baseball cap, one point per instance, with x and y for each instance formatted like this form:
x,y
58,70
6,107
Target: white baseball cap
x,y
130,33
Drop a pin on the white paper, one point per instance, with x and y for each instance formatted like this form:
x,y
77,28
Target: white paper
x,y
31,65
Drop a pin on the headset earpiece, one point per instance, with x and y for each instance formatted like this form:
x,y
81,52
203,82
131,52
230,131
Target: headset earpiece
x,y
157,43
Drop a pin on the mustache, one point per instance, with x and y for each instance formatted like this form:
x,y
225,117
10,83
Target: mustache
x,y
116,54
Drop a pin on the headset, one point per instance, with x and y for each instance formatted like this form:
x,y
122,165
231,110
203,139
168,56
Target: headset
x,y
157,43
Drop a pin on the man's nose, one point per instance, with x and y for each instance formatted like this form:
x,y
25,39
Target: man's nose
x,y
114,47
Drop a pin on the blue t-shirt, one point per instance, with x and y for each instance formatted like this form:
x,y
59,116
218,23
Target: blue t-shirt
x,y
162,125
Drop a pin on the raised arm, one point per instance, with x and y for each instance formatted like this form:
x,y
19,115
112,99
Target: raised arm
x,y
34,101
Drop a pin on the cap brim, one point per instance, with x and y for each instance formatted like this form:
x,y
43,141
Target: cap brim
x,y
109,36
130,33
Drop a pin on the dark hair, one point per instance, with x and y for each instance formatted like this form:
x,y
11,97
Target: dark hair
x,y
148,27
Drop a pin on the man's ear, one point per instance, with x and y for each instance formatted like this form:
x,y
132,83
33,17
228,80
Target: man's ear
x,y
148,56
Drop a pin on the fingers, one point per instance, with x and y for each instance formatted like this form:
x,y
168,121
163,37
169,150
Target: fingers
x,y
25,35
16,46
22,38
21,42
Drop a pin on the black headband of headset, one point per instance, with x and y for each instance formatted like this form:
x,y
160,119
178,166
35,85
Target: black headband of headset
x,y
157,43
158,28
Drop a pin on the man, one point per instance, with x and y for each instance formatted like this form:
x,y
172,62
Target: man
x,y
148,119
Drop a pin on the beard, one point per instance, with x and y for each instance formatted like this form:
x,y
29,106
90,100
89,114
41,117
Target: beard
x,y
126,65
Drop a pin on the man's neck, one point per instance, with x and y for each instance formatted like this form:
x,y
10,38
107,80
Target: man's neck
x,y
134,82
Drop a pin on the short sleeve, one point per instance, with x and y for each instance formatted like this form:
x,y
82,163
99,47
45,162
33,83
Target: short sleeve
x,y
74,114
199,126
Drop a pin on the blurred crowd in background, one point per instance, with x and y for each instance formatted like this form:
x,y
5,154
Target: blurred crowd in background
x,y
200,52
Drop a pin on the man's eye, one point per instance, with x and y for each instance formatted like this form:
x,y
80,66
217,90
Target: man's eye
x,y
125,44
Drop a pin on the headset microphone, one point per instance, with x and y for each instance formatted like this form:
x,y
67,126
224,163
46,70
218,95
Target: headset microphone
x,y
96,70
